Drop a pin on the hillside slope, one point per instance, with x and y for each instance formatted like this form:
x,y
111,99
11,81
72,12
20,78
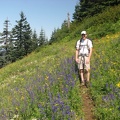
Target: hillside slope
x,y
105,60
105,77
42,78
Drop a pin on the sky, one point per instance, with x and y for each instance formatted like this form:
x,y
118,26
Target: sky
x,y
40,14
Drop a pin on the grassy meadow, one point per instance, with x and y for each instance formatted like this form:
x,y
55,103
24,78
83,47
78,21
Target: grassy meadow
x,y
45,85
105,77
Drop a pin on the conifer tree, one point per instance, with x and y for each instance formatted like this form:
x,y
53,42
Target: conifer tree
x,y
88,8
53,37
42,38
22,34
6,33
34,40
4,54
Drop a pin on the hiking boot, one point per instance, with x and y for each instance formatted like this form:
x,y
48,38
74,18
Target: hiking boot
x,y
82,83
87,84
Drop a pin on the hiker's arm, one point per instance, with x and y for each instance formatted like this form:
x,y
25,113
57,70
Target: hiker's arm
x,y
88,59
76,56
90,53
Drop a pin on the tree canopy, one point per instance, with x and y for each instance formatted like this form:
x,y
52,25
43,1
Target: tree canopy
x,y
88,8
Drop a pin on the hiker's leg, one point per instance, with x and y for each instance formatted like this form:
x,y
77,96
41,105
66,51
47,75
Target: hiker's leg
x,y
87,67
88,75
80,67
82,75
87,82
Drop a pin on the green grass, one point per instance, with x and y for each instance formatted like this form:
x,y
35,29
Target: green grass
x,y
21,81
105,77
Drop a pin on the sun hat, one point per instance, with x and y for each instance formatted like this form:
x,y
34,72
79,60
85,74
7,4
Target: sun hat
x,y
83,32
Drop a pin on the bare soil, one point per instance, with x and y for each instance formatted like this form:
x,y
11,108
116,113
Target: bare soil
x,y
88,105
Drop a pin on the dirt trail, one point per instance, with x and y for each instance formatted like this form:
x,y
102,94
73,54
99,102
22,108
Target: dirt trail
x,y
88,105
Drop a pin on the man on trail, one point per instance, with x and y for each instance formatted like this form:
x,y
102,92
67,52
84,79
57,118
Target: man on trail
x,y
83,55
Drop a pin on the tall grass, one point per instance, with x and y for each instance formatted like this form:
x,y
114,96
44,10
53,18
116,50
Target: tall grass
x,y
105,78
43,82
49,94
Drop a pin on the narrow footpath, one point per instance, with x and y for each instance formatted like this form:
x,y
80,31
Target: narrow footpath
x,y
88,105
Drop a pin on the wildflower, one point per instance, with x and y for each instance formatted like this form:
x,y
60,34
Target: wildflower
x,y
107,37
47,77
22,98
118,85
14,81
34,119
16,116
105,98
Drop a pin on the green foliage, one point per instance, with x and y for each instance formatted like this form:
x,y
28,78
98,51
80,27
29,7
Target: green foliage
x,y
105,85
88,8
38,91
20,42
100,25
59,34
34,40
22,34
2,61
42,38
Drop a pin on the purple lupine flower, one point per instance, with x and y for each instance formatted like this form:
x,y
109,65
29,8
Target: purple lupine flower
x,y
107,86
105,98
67,108
3,116
111,96
111,86
31,94
41,108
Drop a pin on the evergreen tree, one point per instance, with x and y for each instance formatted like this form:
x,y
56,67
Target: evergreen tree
x,y
34,40
4,54
64,24
64,28
54,36
88,8
42,38
11,54
22,34
76,14
6,34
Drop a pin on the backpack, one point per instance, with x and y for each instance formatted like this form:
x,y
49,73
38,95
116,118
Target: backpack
x,y
84,45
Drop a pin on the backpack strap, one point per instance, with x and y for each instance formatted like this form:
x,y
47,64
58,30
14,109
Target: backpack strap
x,y
80,43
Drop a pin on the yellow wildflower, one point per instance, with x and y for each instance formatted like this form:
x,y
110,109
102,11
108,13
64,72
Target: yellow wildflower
x,y
22,98
107,36
46,77
118,84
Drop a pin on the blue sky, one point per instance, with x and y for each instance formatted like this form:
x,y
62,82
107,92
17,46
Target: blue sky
x,y
45,14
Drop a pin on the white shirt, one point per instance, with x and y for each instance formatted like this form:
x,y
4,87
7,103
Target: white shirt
x,y
83,46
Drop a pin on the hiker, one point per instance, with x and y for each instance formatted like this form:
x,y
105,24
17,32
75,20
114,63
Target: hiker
x,y
84,47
